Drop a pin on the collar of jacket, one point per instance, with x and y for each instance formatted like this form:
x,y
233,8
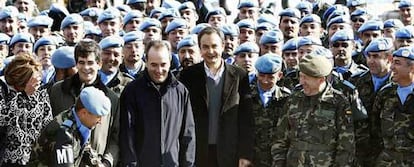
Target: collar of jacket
x,y
73,85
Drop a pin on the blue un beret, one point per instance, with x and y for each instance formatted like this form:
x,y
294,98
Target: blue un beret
x,y
190,40
267,18
273,36
353,3
58,8
170,4
133,36
378,45
149,22
131,15
176,23
111,41
405,3
95,101
91,29
371,25
4,39
264,26
47,40
406,32
156,10
91,12
393,23
124,8
290,12
359,12
291,44
129,2
304,6
40,21
308,40
71,19
199,27
405,52
109,14
216,11
248,4
310,18
330,10
8,11
230,29
246,23
21,37
338,20
269,63
322,51
187,5
247,47
171,12
342,35
64,57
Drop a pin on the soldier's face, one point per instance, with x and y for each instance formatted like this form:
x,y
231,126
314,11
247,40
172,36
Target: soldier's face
x,y
133,52
44,54
379,63
291,58
401,42
73,33
230,44
39,31
133,25
303,50
402,71
88,119
406,15
342,52
247,35
310,84
311,29
189,55
217,20
368,36
24,47
389,33
152,33
8,26
176,36
111,59
271,48
247,60
289,26
190,15
248,13
110,27
268,81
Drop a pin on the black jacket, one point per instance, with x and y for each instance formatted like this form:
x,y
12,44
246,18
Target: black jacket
x,y
157,125
235,134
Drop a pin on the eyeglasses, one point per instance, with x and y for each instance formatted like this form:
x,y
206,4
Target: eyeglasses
x,y
355,19
338,44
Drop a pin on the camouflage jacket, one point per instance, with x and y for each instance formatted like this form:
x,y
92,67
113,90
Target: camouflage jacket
x,y
397,125
315,131
290,80
265,120
354,70
60,145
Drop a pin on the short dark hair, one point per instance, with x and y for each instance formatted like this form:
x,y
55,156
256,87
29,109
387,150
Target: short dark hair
x,y
157,44
86,47
211,30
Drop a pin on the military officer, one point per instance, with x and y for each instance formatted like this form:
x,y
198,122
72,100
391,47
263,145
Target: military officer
x,y
268,100
379,56
65,141
315,128
395,104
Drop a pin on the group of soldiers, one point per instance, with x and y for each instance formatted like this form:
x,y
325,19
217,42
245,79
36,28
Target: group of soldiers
x,y
317,84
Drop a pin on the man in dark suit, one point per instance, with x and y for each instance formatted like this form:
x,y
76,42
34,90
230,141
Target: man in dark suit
x,y
220,98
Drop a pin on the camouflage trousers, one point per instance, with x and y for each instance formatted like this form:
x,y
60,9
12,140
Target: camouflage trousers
x,y
392,158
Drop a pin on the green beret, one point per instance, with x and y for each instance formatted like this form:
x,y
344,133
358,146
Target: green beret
x,y
315,66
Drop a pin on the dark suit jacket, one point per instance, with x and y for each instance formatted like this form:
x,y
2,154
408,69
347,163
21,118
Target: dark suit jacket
x,y
235,135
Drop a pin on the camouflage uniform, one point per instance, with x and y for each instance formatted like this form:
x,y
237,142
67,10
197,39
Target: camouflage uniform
x,y
290,80
60,145
368,143
397,127
265,120
315,131
354,70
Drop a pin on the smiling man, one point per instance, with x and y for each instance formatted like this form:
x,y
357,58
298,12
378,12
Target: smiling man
x,y
157,124
63,94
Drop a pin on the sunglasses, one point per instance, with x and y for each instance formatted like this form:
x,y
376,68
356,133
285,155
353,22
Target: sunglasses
x,y
338,44
355,19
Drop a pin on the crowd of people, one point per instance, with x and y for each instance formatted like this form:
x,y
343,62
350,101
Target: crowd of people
x,y
177,83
